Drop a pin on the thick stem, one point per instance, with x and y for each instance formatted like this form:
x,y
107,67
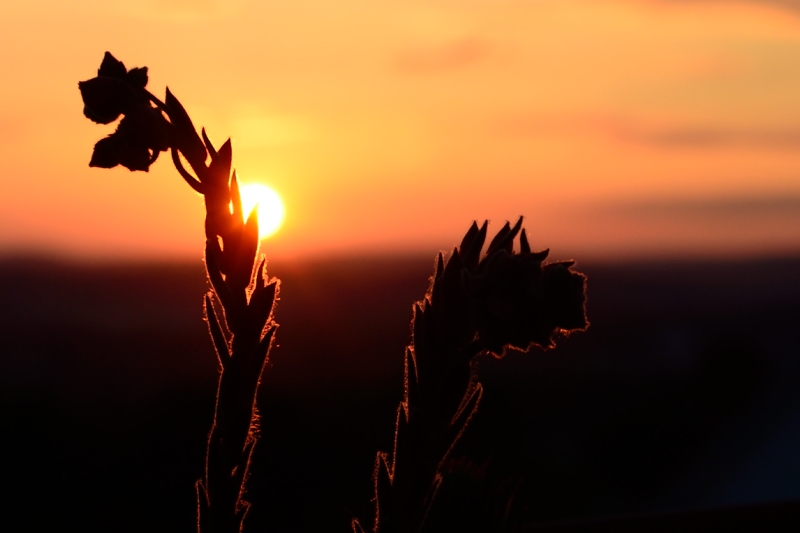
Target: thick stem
x,y
222,507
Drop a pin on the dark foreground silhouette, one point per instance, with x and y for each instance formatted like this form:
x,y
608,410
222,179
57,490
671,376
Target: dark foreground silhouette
x,y
478,303
682,395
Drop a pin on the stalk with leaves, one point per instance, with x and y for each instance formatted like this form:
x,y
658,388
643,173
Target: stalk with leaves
x,y
239,307
505,299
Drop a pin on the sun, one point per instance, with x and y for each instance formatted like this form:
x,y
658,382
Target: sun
x,y
270,207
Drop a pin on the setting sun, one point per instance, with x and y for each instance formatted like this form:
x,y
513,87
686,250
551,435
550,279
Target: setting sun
x,y
270,207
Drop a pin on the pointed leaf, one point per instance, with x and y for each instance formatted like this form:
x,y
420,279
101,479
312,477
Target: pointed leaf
x,y
400,437
435,292
236,198
504,240
432,492
383,494
245,254
541,256
242,508
264,346
207,142
411,378
500,234
468,406
239,473
383,485
220,168
193,182
356,526
472,254
418,336
524,247
467,409
468,238
262,304
260,279
452,270
186,138
215,276
217,336
439,266
250,239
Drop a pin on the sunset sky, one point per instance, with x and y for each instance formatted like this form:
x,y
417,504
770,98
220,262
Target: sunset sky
x,y
618,128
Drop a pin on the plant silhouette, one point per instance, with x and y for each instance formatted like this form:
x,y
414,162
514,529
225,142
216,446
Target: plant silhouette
x,y
475,304
503,300
239,308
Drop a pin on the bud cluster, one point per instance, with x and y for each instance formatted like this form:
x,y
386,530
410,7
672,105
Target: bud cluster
x,y
516,300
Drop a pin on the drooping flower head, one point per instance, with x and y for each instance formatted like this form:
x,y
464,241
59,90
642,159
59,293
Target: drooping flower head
x,y
143,131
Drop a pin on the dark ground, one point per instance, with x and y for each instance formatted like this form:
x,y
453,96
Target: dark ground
x,y
683,394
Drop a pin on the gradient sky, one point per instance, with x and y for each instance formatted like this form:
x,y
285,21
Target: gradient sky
x,y
618,128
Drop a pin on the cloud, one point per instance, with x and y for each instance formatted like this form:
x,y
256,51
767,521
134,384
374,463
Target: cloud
x,y
738,208
566,124
444,58
699,137
633,131
179,10
790,5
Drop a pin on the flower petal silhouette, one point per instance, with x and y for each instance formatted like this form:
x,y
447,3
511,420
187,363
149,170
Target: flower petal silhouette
x,y
136,143
137,77
105,98
112,67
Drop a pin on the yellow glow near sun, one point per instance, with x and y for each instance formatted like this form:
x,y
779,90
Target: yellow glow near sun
x,y
270,207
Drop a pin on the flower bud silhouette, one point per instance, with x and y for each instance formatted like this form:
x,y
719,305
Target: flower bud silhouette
x,y
516,301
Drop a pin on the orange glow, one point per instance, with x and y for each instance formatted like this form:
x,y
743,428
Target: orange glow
x,y
390,126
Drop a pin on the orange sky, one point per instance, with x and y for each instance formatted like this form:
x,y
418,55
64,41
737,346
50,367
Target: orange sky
x,y
618,128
